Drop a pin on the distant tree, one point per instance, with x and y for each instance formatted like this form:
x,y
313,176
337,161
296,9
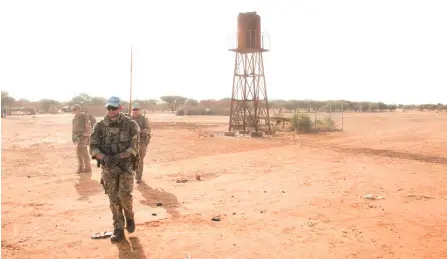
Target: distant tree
x,y
290,105
173,101
148,104
7,100
207,103
382,106
392,107
46,103
364,106
223,103
83,98
97,101
191,102
277,104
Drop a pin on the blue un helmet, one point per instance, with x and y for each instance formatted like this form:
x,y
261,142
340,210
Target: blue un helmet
x,y
114,102
136,106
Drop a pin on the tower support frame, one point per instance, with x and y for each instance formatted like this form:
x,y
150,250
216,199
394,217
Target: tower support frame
x,y
249,107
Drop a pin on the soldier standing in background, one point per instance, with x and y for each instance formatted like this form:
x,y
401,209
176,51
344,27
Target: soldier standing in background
x,y
114,143
81,130
91,117
145,137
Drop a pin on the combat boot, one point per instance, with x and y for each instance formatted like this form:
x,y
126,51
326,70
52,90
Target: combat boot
x,y
130,225
118,235
79,170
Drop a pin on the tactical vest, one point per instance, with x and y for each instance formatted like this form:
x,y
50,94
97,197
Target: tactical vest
x,y
142,122
115,136
79,123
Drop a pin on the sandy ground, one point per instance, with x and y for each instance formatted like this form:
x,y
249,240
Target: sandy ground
x,y
283,197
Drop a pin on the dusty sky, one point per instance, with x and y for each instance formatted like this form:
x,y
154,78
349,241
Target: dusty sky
x,y
382,50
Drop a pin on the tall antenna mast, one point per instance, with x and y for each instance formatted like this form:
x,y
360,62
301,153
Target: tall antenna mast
x,y
130,94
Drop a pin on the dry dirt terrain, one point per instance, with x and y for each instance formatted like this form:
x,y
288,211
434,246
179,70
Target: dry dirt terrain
x,y
282,197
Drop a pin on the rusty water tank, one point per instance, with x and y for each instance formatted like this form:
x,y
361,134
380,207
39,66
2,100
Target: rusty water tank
x,y
249,31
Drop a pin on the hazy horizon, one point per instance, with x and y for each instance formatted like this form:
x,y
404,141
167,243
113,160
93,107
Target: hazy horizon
x,y
389,51
135,98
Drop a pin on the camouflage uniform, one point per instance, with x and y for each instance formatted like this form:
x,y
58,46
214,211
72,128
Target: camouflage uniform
x,y
81,130
145,138
111,138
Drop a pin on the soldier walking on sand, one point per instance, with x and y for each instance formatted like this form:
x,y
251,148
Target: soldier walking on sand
x,y
145,137
81,130
114,143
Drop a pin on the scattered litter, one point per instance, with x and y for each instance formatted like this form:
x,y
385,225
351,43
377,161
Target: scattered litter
x,y
234,213
198,177
372,197
311,224
105,234
215,219
154,214
182,181
159,204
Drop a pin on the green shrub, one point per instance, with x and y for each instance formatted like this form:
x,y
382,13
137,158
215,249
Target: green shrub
x,y
302,122
329,123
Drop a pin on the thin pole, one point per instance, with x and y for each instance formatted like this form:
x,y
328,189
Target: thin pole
x,y
342,116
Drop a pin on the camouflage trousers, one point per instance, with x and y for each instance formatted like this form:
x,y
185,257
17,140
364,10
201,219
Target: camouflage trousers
x,y
139,171
82,152
118,185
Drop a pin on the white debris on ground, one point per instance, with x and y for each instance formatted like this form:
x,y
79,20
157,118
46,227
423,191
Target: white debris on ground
x,y
372,197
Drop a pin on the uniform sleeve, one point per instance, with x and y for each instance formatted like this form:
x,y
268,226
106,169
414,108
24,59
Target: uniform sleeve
x,y
95,141
134,138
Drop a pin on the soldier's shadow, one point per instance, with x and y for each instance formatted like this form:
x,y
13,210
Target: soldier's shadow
x,y
131,249
153,198
87,187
